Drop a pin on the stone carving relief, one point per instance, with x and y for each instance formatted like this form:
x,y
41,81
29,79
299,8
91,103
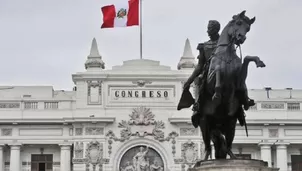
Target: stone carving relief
x,y
188,132
270,105
94,155
273,132
6,132
78,131
94,92
79,150
141,83
94,131
9,105
141,124
189,155
141,158
141,116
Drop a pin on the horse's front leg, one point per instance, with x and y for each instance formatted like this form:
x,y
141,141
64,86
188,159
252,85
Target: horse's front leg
x,y
246,61
217,95
242,79
230,129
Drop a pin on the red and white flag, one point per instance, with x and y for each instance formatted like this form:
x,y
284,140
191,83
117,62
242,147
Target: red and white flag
x,y
123,14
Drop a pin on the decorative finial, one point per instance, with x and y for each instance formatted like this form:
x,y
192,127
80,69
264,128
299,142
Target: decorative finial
x,y
94,58
188,50
94,52
187,60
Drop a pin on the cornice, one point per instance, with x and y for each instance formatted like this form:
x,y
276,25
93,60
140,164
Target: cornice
x,y
187,120
59,121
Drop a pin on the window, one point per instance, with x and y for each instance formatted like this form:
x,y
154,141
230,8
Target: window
x,y
30,105
51,105
293,106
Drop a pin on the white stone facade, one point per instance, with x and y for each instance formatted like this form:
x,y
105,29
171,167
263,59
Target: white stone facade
x,y
111,113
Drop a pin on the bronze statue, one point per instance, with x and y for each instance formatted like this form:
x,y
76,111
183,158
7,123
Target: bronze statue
x,y
223,94
205,51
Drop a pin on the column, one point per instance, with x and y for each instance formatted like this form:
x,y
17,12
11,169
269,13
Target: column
x,y
1,157
15,163
65,157
266,153
281,149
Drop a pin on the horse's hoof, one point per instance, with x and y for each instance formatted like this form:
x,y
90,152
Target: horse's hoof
x,y
206,157
260,64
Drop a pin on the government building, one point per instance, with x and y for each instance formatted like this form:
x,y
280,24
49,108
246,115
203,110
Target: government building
x,y
125,119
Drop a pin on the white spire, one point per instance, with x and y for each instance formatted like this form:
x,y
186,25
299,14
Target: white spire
x,y
187,60
187,50
94,60
94,52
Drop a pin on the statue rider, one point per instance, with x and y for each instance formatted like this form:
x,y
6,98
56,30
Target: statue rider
x,y
205,51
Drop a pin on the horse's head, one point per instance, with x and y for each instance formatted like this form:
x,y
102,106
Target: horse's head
x,y
239,27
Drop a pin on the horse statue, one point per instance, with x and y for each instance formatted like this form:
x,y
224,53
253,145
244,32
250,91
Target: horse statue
x,y
224,97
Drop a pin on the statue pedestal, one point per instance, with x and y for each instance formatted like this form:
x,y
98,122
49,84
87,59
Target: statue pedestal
x,y
232,165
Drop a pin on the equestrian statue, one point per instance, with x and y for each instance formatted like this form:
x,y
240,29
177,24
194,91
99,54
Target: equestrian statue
x,y
222,93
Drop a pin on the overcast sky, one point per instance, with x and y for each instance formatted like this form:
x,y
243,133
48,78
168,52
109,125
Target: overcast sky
x,y
43,42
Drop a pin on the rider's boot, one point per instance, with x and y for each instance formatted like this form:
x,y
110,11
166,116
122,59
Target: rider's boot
x,y
248,103
195,118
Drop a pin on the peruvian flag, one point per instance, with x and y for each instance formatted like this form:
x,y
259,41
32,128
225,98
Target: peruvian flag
x,y
123,14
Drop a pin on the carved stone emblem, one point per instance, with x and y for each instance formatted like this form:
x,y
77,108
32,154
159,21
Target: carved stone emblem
x,y
189,154
141,124
79,131
273,132
141,83
141,116
94,152
79,149
6,132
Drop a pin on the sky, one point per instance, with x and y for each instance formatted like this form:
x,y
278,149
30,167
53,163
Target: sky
x,y
43,42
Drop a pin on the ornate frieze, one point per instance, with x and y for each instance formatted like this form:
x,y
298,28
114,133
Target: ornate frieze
x,y
79,161
188,132
6,132
9,105
141,124
272,105
273,133
94,131
78,131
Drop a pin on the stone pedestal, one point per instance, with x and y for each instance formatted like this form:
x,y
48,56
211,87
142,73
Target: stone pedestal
x,y
232,165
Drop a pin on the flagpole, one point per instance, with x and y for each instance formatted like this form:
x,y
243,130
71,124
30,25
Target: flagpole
x,y
141,28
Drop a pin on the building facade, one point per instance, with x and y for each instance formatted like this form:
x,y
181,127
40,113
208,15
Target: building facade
x,y
125,119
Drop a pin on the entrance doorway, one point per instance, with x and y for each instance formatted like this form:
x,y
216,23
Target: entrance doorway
x,y
41,162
